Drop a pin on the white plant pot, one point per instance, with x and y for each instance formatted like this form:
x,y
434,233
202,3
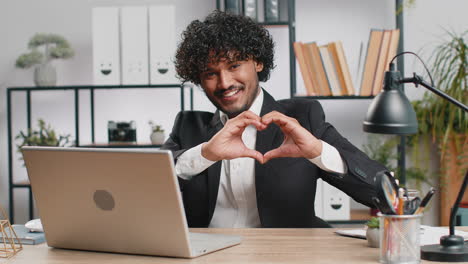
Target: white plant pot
x,y
157,138
45,75
373,237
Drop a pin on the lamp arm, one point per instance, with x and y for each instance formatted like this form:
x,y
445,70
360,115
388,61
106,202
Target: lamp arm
x,y
454,210
416,79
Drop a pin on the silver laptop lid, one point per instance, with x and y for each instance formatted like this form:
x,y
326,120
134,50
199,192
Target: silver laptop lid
x,y
116,200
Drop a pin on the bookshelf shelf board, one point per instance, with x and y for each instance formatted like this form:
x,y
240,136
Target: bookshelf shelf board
x,y
95,87
266,24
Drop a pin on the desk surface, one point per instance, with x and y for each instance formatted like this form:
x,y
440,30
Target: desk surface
x,y
258,246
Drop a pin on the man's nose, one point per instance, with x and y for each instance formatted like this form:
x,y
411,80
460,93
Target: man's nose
x,y
225,80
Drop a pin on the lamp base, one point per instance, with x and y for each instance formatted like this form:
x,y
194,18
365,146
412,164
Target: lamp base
x,y
451,249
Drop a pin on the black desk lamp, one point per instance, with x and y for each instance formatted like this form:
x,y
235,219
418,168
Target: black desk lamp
x,y
391,113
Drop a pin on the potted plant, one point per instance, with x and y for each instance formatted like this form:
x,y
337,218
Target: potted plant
x,y
373,232
45,136
157,134
443,123
45,48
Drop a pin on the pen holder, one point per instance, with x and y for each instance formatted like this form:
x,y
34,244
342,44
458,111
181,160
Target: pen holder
x,y
400,238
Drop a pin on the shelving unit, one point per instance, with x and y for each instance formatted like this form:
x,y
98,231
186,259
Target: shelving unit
x,y
76,89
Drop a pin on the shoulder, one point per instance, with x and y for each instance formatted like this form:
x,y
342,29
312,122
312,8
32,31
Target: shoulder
x,y
301,106
194,117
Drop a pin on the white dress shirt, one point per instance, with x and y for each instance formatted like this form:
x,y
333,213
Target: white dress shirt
x,y
236,205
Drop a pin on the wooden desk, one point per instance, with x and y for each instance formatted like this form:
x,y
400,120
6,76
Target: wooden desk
x,y
258,246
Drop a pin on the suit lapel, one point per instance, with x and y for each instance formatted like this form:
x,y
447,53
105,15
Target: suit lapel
x,y
214,171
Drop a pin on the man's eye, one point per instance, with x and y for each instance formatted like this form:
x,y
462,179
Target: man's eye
x,y
234,66
209,74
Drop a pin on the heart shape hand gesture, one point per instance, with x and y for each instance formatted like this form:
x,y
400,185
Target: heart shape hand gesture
x,y
227,143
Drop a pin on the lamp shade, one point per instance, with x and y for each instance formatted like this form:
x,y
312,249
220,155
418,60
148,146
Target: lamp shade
x,y
391,112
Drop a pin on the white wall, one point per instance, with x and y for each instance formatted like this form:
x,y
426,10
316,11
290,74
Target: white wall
x,y
322,21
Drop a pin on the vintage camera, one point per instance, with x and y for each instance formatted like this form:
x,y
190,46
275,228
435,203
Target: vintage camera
x,y
121,131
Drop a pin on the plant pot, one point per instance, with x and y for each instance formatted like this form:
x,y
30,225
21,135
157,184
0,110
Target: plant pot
x,y
373,237
45,75
157,138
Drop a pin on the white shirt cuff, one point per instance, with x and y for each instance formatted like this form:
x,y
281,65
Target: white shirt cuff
x,y
330,159
191,163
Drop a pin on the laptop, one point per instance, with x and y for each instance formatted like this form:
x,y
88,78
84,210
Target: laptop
x,y
114,200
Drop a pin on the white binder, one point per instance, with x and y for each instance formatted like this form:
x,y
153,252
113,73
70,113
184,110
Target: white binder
x,y
318,204
336,204
134,41
106,45
162,44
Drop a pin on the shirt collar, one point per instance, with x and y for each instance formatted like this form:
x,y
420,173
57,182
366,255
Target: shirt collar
x,y
256,107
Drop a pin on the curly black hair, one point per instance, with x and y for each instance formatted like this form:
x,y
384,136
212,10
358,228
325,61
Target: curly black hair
x,y
223,36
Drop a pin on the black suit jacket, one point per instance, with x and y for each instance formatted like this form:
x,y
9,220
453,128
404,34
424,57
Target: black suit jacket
x,y
285,187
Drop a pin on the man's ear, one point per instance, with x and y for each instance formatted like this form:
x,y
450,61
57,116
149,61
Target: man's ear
x,y
258,66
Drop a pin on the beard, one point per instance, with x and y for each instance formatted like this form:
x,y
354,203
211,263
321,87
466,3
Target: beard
x,y
234,111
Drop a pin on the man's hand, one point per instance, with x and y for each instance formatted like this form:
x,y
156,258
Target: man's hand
x,y
227,143
298,141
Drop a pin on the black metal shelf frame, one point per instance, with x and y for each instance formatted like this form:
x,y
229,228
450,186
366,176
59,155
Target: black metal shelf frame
x,y
76,89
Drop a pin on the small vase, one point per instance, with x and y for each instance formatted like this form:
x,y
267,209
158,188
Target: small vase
x,y
373,237
45,75
157,138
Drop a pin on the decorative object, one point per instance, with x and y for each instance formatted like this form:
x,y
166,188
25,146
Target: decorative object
x,y
157,134
121,131
8,236
390,112
45,136
372,232
53,47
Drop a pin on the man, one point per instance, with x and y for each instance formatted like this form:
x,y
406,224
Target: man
x,y
255,161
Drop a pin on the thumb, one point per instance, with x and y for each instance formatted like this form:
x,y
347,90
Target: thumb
x,y
250,153
274,153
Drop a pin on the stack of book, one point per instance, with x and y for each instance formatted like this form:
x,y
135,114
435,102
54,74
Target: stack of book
x,y
382,47
325,70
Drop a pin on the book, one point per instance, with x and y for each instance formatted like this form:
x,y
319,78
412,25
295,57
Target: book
x,y
299,52
250,9
344,76
271,10
373,48
318,70
310,69
26,237
330,71
393,49
381,62
233,6
283,10
359,69
339,72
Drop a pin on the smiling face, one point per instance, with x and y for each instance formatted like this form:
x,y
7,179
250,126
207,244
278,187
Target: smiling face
x,y
231,86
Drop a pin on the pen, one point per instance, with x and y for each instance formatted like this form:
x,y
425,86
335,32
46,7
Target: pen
x,y
401,201
425,201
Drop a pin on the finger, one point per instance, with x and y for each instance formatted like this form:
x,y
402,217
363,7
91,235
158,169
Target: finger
x,y
275,153
278,118
240,125
250,153
248,115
